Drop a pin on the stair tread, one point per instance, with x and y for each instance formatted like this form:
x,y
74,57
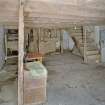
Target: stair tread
x,y
89,48
88,41
93,56
91,52
82,44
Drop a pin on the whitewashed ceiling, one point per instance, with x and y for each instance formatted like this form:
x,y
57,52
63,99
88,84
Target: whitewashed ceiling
x,y
54,12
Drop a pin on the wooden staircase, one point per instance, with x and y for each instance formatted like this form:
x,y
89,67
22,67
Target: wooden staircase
x,y
86,45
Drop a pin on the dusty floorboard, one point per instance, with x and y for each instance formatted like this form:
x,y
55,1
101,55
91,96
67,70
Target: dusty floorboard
x,y
8,85
70,82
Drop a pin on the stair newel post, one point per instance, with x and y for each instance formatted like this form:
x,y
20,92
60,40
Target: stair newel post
x,y
85,43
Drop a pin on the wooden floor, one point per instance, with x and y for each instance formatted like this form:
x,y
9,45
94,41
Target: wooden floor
x,y
70,82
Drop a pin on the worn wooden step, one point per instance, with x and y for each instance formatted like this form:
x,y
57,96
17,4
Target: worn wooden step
x,y
94,52
88,44
76,31
93,57
82,40
82,44
91,48
80,34
88,48
91,52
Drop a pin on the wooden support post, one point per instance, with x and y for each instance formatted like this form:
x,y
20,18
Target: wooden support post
x,y
39,35
21,52
85,45
5,45
61,41
55,36
56,33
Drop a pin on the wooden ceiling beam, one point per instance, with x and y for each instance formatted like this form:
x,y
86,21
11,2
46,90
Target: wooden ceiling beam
x,y
89,6
37,16
49,14
52,18
53,21
73,2
54,11
31,24
59,16
75,20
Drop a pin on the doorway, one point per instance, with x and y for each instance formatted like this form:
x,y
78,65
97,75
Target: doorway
x,y
102,44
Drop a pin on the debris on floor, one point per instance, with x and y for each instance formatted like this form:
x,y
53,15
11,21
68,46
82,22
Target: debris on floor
x,y
9,72
8,85
8,93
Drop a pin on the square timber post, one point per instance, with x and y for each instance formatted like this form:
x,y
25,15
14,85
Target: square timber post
x,y
21,52
85,44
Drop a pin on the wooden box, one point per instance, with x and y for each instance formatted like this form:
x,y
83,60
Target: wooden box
x,y
35,79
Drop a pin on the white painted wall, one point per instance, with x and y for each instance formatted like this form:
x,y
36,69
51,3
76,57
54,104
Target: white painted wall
x,y
2,54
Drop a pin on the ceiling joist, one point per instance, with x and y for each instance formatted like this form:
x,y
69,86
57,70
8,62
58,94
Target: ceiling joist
x,y
62,12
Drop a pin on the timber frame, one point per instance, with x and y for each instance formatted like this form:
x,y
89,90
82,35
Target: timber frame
x,y
85,43
52,14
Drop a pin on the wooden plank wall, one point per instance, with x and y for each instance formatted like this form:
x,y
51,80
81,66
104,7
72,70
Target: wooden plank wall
x,y
44,40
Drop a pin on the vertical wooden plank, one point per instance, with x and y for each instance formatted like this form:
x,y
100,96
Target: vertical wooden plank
x,y
39,35
5,44
85,44
61,40
21,52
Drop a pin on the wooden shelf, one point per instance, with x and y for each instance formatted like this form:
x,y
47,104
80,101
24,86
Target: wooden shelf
x,y
13,56
10,39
